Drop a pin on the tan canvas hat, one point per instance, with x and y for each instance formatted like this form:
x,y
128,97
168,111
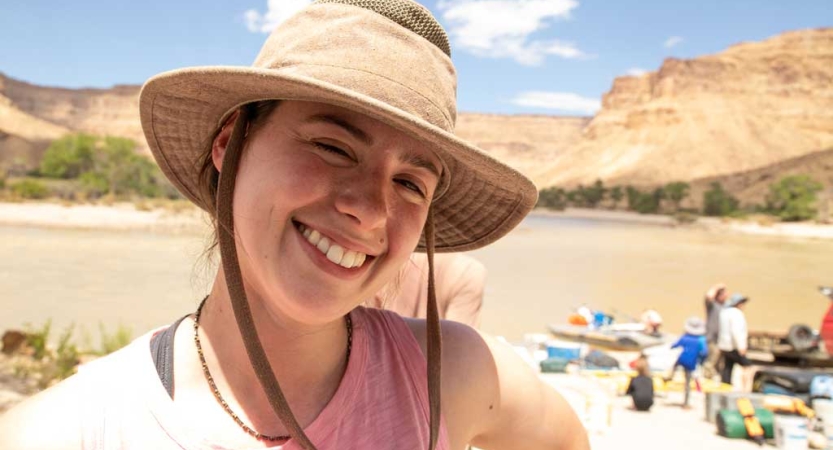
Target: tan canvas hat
x,y
387,59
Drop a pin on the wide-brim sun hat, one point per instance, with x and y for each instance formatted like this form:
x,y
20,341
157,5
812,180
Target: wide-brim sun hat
x,y
389,60
695,326
711,294
736,299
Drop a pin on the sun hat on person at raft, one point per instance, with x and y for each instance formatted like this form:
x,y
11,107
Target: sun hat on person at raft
x,y
711,294
387,59
736,299
694,325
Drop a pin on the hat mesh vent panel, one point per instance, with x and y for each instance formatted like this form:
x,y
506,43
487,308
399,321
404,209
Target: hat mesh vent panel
x,y
408,14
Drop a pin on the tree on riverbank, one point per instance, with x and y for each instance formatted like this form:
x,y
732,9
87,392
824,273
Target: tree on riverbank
x,y
69,156
793,198
677,192
616,194
718,202
553,198
81,166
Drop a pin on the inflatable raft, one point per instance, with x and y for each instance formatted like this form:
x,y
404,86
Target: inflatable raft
x,y
611,338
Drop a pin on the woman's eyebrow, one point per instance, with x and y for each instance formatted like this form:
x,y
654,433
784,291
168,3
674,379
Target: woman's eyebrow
x,y
411,158
417,160
340,122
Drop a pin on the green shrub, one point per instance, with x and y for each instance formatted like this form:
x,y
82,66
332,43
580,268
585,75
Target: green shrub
x,y
718,202
111,342
69,156
30,189
48,365
104,166
94,184
649,202
677,192
616,194
594,194
38,339
67,356
552,198
632,195
793,198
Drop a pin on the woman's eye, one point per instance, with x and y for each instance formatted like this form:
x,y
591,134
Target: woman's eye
x,y
410,185
331,149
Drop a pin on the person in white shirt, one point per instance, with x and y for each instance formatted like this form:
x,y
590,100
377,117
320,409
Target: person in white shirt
x,y
733,336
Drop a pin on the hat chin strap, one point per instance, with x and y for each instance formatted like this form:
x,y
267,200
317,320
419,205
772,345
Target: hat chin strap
x,y
434,336
243,314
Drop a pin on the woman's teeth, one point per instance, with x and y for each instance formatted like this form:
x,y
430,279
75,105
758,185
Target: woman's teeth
x,y
334,252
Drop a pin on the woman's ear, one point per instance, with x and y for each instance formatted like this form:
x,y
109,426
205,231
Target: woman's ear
x,y
218,147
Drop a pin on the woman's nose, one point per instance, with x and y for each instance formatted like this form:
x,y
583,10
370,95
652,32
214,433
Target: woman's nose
x,y
364,199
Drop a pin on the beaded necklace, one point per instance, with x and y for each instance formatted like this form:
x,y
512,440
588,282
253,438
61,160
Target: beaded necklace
x,y
265,437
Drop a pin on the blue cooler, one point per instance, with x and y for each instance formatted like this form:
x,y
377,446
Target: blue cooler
x,y
564,350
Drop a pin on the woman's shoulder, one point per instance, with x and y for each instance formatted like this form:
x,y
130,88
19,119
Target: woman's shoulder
x,y
53,418
49,420
458,340
462,345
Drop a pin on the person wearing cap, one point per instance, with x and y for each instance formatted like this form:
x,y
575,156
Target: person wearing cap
x,y
694,352
325,165
715,299
652,320
459,282
733,338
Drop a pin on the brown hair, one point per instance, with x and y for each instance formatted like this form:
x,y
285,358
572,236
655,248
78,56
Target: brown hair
x,y
641,366
209,176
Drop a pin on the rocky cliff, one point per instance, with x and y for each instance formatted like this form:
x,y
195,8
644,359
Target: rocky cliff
x,y
526,142
32,116
751,106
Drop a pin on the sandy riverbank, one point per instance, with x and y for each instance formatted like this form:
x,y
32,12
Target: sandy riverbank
x,y
805,230
119,216
125,216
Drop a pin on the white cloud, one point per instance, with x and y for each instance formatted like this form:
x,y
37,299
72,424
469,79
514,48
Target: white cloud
x,y
672,41
502,28
636,71
562,101
276,12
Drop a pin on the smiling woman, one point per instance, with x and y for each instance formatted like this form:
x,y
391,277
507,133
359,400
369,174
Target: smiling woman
x,y
326,165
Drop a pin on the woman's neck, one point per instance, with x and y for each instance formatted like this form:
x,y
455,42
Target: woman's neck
x,y
307,360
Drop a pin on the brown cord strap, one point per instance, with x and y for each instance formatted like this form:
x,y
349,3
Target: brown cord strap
x,y
234,280
435,347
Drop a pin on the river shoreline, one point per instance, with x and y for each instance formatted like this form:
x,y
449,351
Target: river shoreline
x,y
190,219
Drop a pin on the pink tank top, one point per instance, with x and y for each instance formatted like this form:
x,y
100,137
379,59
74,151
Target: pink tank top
x,y
381,403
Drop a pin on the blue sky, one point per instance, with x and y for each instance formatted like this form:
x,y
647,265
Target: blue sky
x,y
512,56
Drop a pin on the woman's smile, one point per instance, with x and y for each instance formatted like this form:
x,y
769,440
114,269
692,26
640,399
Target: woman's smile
x,y
344,258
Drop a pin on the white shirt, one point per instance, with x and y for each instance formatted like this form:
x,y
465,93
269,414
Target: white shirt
x,y
733,332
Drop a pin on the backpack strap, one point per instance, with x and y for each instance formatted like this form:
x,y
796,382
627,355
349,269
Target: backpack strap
x,y
162,352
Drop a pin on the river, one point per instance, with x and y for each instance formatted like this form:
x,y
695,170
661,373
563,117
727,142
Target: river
x,y
537,275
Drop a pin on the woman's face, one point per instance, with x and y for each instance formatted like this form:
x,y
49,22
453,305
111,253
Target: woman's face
x,y
328,205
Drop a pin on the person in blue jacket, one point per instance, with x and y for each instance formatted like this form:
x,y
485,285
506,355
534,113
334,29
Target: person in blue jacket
x,y
695,350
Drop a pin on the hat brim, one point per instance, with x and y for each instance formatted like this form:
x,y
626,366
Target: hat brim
x,y
180,110
697,331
